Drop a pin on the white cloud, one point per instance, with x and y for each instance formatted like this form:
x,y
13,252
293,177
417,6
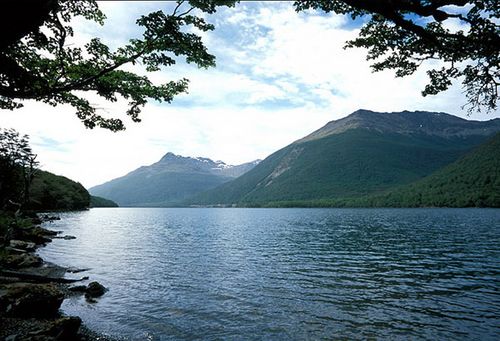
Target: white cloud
x,y
266,54
95,156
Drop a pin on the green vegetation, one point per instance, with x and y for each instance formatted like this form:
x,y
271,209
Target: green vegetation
x,y
361,156
351,164
25,187
38,60
401,35
101,202
54,192
471,181
17,169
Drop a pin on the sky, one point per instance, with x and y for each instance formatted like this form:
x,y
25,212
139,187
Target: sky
x,y
280,75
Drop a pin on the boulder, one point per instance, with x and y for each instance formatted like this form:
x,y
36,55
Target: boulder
x,y
45,232
22,260
38,235
95,289
65,328
30,300
21,244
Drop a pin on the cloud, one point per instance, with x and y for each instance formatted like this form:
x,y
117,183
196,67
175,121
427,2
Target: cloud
x,y
280,75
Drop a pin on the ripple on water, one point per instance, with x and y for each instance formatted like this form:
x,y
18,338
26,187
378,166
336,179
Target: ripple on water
x,y
281,274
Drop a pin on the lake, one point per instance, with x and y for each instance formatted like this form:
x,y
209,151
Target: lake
x,y
286,274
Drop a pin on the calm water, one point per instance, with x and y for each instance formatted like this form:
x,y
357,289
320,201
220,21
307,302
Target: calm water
x,y
287,274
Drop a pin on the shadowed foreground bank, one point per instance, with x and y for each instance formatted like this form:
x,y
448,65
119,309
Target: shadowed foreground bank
x,y
32,290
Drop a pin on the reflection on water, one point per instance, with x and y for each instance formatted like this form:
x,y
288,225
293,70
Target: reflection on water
x,y
281,274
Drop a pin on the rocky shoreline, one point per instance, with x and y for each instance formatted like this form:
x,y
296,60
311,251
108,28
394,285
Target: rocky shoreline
x,y
32,290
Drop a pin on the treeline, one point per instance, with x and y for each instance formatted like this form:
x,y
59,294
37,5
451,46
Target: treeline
x,y
54,192
101,202
24,186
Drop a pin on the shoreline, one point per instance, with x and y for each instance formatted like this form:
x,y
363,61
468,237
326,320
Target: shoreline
x,y
32,289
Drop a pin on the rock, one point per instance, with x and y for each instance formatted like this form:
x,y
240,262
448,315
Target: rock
x,y
59,329
36,235
46,217
74,270
22,260
46,232
36,220
21,244
65,328
13,233
90,299
11,250
95,289
67,237
30,300
30,261
78,288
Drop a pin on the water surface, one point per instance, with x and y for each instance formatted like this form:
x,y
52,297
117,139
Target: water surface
x,y
286,274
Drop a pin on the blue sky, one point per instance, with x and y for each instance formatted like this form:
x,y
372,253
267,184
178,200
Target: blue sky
x,y
279,76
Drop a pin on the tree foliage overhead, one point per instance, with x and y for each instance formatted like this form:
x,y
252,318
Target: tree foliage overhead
x,y
37,62
402,34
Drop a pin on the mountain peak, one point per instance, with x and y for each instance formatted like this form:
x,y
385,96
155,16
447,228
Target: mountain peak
x,y
169,156
172,178
407,123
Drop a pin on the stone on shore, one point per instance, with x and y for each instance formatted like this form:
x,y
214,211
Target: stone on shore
x,y
58,329
67,237
30,300
65,328
21,244
22,260
75,270
30,311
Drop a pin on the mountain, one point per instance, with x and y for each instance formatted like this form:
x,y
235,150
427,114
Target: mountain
x,y
364,153
169,180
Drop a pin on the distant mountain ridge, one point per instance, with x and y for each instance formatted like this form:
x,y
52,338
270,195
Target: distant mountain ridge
x,y
362,154
407,123
171,179
171,162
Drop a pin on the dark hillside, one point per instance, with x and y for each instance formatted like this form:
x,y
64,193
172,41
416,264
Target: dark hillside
x,y
54,192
